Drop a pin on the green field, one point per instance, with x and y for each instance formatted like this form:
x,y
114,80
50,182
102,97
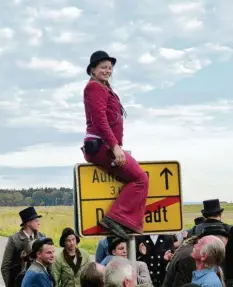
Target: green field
x,y
56,218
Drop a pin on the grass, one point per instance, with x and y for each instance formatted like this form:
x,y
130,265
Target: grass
x,y
58,217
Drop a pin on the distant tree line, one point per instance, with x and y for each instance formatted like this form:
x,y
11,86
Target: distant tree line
x,y
46,196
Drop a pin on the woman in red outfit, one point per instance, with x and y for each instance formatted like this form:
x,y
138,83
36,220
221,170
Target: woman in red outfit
x,y
103,147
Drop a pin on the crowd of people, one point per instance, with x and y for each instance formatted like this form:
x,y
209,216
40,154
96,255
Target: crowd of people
x,y
200,256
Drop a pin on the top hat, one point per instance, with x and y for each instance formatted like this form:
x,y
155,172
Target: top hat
x,y
28,214
211,206
97,57
38,243
65,233
214,229
199,220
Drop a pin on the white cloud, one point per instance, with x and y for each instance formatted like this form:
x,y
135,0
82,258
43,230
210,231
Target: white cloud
x,y
6,33
146,58
68,91
72,37
121,33
42,155
66,13
63,68
224,52
35,34
150,28
218,48
189,67
188,24
185,7
171,54
128,88
117,47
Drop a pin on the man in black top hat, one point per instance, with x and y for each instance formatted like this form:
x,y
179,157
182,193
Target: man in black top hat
x,y
12,261
212,212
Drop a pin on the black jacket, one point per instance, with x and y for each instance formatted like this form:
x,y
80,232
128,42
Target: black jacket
x,y
179,271
154,255
197,229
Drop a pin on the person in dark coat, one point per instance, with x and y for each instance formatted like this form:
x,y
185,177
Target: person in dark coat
x,y
151,249
182,265
12,262
212,213
198,220
103,146
184,234
27,261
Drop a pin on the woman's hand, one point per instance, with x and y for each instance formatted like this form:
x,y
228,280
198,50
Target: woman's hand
x,y
119,155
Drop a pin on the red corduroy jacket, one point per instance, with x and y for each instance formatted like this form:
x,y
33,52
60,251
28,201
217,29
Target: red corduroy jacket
x,y
103,113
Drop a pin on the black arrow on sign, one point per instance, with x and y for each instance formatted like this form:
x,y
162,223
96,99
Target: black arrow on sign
x,y
166,173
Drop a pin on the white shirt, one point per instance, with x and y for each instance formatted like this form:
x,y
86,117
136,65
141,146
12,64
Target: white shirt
x,y
28,236
154,238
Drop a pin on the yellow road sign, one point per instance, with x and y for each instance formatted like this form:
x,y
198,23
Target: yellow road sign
x,y
95,191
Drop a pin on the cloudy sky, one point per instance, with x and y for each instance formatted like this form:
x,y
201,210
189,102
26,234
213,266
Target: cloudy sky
x,y
174,75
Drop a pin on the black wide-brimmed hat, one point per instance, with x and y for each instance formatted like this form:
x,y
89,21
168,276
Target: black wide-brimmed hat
x,y
65,233
211,206
97,57
28,214
214,229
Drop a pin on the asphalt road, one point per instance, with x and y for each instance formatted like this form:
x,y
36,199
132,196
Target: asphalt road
x,y
3,241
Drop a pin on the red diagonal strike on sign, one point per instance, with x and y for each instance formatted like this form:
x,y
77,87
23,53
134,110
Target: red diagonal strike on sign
x,y
150,207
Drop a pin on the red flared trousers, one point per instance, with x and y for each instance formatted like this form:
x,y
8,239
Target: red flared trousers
x,y
129,208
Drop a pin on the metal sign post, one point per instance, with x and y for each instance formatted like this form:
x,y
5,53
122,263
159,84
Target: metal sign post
x,y
131,245
131,251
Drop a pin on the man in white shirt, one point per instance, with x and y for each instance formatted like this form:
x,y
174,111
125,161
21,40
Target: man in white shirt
x,y
151,249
